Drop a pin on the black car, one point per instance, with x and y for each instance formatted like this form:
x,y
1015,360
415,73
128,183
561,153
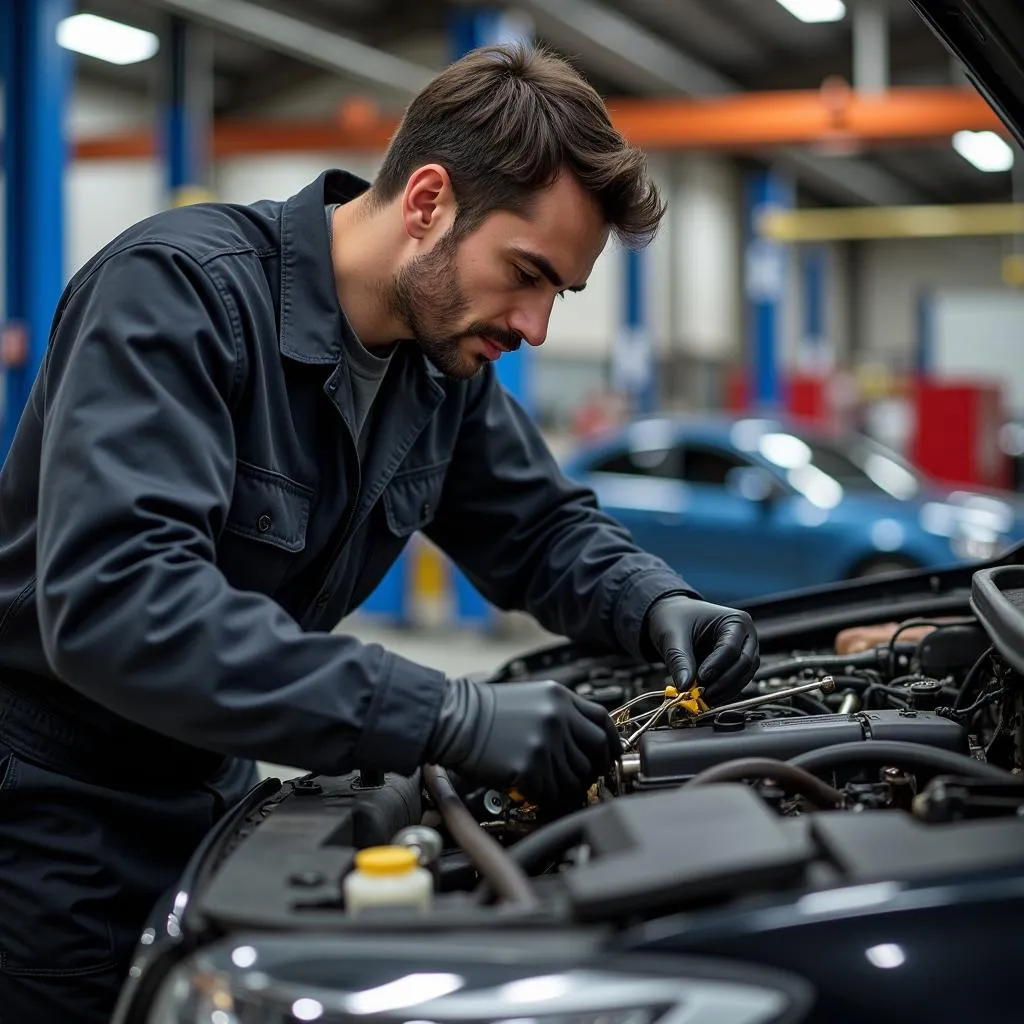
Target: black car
x,y
852,851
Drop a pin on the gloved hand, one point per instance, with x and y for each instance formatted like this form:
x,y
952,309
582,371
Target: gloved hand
x,y
536,737
704,645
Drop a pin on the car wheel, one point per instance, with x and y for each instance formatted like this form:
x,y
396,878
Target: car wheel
x,y
882,564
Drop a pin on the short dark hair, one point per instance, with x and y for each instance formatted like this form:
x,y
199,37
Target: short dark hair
x,y
504,122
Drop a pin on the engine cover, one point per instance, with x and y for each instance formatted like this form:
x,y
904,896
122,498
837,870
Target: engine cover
x,y
681,753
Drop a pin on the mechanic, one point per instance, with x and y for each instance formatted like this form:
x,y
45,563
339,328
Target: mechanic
x,y
243,415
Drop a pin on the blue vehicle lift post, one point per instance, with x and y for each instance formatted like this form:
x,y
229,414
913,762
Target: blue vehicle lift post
x,y
814,270
765,278
188,111
36,72
633,365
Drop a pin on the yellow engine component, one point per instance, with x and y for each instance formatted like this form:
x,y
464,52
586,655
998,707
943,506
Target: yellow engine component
x,y
691,701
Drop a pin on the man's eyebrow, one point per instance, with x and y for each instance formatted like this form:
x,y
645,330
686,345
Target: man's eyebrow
x,y
543,266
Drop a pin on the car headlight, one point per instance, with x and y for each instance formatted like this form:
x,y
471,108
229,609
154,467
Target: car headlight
x,y
978,527
321,988
976,548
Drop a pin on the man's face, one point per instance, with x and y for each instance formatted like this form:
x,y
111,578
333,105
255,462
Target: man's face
x,y
466,302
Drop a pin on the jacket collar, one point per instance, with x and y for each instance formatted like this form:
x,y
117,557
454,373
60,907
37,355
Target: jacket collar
x,y
310,320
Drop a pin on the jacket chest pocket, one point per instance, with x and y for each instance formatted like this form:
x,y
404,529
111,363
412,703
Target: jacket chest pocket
x,y
265,528
412,497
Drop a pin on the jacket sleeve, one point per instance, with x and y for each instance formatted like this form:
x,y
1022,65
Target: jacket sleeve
x,y
530,539
137,472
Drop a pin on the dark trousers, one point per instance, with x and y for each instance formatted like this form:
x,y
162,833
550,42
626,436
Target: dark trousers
x,y
93,832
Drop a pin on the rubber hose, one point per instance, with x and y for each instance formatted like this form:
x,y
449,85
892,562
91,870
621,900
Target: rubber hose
x,y
500,871
546,843
901,754
801,782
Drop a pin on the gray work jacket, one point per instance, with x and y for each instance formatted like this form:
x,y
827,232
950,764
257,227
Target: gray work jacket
x,y
184,519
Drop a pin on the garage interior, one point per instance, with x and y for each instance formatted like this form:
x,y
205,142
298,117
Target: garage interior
x,y
842,247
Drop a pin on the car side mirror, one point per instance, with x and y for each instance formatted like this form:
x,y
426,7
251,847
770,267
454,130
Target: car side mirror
x,y
753,483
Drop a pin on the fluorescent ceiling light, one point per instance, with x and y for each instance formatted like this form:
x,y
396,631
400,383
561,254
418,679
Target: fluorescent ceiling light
x,y
986,150
815,11
106,40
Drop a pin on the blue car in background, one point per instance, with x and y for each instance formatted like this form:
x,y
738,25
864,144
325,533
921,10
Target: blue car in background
x,y
749,507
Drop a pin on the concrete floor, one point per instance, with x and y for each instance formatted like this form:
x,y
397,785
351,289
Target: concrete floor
x,y
454,651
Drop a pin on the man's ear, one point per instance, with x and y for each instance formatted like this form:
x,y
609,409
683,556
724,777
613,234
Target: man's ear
x,y
428,202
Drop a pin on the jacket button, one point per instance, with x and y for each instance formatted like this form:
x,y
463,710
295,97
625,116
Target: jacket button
x,y
426,509
264,523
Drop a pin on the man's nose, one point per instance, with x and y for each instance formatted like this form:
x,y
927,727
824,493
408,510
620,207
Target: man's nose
x,y
532,325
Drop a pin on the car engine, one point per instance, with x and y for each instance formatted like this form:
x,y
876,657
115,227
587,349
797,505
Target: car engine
x,y
836,762
873,759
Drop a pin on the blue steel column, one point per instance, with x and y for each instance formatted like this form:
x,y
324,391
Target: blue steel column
x,y
471,27
633,355
765,276
188,111
813,262
36,73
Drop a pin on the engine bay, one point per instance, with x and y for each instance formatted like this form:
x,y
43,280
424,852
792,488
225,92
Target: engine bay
x,y
895,751
860,803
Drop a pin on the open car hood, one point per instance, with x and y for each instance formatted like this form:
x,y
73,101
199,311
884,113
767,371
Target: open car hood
x,y
987,36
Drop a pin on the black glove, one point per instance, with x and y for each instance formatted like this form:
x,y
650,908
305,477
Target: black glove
x,y
536,737
704,644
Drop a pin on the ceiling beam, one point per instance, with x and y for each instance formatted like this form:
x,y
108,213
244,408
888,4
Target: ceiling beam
x,y
622,49
847,118
644,63
969,220
269,78
312,44
614,44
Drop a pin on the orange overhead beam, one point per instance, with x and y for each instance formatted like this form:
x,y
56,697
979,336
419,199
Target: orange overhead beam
x,y
239,138
834,114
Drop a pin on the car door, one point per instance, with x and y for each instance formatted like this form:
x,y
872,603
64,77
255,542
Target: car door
x,y
675,501
729,544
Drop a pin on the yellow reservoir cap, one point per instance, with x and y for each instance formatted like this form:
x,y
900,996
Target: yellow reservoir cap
x,y
386,860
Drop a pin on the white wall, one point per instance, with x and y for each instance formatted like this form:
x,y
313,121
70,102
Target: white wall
x,y
703,294
894,273
104,197
278,176
977,336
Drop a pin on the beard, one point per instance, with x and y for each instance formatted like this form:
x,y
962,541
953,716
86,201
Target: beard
x,y
427,296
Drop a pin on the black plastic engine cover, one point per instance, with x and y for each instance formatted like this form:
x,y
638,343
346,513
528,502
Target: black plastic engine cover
x,y
659,850
680,753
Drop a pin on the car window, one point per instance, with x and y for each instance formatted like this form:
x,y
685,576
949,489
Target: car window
x,y
824,469
857,465
661,463
708,464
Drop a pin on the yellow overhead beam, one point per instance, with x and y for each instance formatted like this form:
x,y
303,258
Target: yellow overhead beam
x,y
849,223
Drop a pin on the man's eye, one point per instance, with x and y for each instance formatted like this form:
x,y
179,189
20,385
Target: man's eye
x,y
525,278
